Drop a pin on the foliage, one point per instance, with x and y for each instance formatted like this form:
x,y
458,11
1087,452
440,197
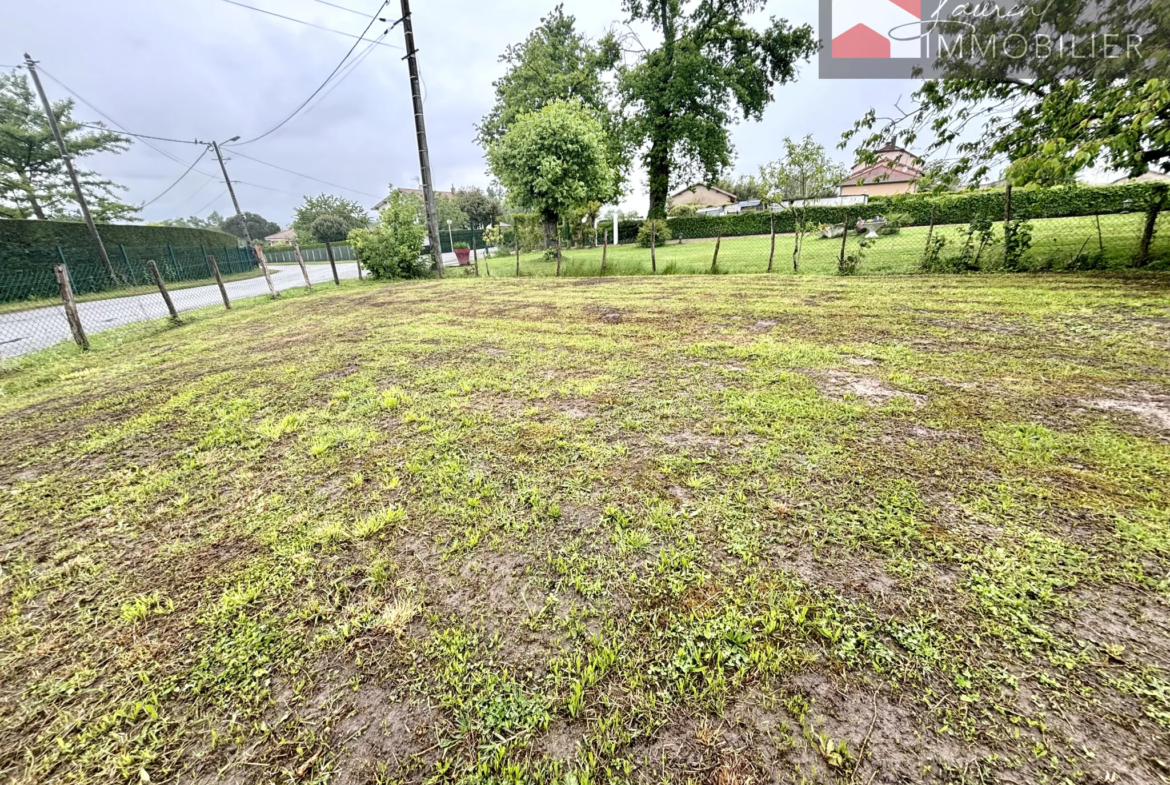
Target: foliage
x,y
804,172
745,187
555,160
392,248
479,208
33,178
353,214
462,247
528,226
661,232
684,93
1050,117
557,63
682,211
15,235
329,229
259,227
493,237
1017,239
212,222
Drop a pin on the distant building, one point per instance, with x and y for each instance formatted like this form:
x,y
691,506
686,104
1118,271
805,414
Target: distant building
x,y
281,238
1144,177
895,172
701,195
380,206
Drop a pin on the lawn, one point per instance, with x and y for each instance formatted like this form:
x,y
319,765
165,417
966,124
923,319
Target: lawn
x,y
1055,241
708,529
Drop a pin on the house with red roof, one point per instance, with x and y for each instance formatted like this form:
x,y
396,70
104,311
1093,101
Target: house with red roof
x,y
896,171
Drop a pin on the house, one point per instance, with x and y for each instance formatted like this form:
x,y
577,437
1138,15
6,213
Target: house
x,y
701,195
380,206
281,238
894,172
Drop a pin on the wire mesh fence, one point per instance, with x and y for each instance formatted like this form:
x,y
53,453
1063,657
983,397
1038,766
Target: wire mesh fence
x,y
36,304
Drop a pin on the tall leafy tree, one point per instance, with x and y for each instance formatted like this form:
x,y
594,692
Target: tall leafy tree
x,y
686,92
33,180
259,227
350,212
481,208
555,161
745,187
1045,118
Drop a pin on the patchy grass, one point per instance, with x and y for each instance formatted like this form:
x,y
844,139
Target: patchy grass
x,y
721,530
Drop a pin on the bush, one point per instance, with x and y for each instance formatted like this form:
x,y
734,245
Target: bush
x,y
682,211
661,233
392,249
329,229
462,247
895,222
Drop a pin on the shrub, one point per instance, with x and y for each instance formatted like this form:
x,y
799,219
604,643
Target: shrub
x,y
661,233
392,249
682,211
493,237
329,229
895,222
462,247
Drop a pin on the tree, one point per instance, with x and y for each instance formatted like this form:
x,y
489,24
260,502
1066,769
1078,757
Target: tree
x,y
33,180
685,92
392,248
1049,117
258,226
350,212
746,187
213,221
805,172
555,160
481,209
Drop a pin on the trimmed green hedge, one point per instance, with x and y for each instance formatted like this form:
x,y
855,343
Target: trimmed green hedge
x,y
17,235
958,208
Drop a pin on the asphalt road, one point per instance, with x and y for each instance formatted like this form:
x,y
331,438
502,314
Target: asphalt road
x,y
27,331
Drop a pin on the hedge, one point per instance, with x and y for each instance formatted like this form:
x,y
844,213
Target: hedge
x,y
16,235
956,208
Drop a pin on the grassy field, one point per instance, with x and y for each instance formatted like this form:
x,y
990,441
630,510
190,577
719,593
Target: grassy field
x,y
1054,242
709,529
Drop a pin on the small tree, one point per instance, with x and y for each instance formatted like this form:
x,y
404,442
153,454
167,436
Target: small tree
x,y
555,160
330,229
481,209
352,213
393,247
805,172
259,227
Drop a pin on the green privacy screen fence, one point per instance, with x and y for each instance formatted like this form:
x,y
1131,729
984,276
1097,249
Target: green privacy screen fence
x,y
23,271
343,252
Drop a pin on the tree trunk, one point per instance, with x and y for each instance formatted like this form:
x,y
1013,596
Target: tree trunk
x,y
658,170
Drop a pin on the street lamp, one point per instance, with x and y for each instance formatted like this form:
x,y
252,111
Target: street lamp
x,y
450,237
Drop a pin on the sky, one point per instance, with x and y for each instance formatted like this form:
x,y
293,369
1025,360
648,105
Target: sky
x,y
211,70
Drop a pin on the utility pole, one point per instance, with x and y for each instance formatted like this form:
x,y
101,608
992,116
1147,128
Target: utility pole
x,y
424,157
232,190
97,238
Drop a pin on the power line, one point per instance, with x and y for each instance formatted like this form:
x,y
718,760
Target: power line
x,y
157,149
341,7
222,194
195,193
266,188
333,73
353,66
142,136
310,24
176,182
307,177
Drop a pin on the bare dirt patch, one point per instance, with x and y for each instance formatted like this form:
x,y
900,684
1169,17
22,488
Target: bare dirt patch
x,y
839,384
1153,410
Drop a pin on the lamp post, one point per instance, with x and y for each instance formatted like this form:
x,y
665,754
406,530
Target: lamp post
x,y
450,237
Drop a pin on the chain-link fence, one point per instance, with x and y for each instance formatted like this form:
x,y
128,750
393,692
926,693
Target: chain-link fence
x,y
53,295
1029,239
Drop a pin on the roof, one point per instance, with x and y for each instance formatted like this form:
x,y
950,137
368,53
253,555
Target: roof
x,y
1144,177
697,186
287,234
887,174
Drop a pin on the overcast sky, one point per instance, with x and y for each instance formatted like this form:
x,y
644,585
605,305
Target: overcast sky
x,y
207,69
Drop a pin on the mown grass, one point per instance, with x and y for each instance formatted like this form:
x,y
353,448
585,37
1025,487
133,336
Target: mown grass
x,y
720,530
1055,242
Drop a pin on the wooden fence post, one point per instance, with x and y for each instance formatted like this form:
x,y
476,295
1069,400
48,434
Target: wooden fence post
x,y
474,251
604,249
653,261
1100,240
219,281
844,239
264,267
332,264
715,258
516,237
1007,218
929,235
304,270
150,265
772,225
126,260
558,251
71,316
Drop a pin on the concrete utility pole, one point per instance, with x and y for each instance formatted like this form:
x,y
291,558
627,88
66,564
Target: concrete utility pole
x,y
424,157
232,190
97,238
